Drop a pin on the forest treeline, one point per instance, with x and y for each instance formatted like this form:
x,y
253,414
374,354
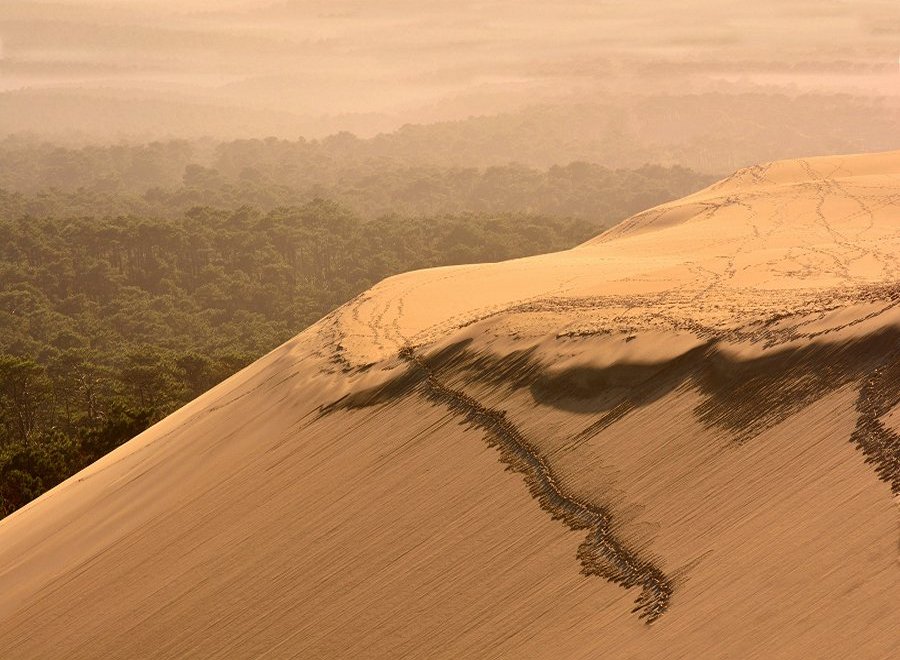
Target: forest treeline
x,y
714,131
140,278
108,324
163,178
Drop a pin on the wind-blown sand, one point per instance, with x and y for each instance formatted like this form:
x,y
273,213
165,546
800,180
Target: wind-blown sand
x,y
678,439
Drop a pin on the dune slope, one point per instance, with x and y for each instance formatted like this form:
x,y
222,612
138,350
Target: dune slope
x,y
678,439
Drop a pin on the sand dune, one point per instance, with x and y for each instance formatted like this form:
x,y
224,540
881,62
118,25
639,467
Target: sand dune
x,y
679,439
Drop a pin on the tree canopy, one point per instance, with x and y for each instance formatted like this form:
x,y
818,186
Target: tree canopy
x,y
119,304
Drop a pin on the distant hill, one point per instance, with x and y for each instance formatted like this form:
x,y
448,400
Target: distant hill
x,y
714,132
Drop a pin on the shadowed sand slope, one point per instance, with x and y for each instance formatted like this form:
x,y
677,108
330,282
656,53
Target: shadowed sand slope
x,y
679,439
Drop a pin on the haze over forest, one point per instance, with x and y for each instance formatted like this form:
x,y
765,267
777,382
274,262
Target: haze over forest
x,y
484,328
619,83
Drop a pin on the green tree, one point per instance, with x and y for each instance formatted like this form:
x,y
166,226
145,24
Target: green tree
x,y
24,393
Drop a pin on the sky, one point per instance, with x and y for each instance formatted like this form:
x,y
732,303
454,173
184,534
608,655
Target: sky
x,y
375,64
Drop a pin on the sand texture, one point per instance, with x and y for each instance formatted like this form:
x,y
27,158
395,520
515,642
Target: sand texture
x,y
677,440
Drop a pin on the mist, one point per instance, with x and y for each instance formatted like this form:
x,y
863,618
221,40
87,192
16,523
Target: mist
x,y
99,71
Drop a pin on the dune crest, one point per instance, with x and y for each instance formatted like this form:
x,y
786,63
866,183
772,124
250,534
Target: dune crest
x,y
679,438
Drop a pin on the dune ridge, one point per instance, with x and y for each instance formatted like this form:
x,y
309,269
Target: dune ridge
x,y
703,399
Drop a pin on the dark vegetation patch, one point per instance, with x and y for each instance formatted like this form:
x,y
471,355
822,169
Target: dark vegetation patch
x,y
109,324
135,277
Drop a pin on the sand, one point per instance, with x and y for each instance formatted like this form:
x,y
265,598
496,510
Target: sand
x,y
676,440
